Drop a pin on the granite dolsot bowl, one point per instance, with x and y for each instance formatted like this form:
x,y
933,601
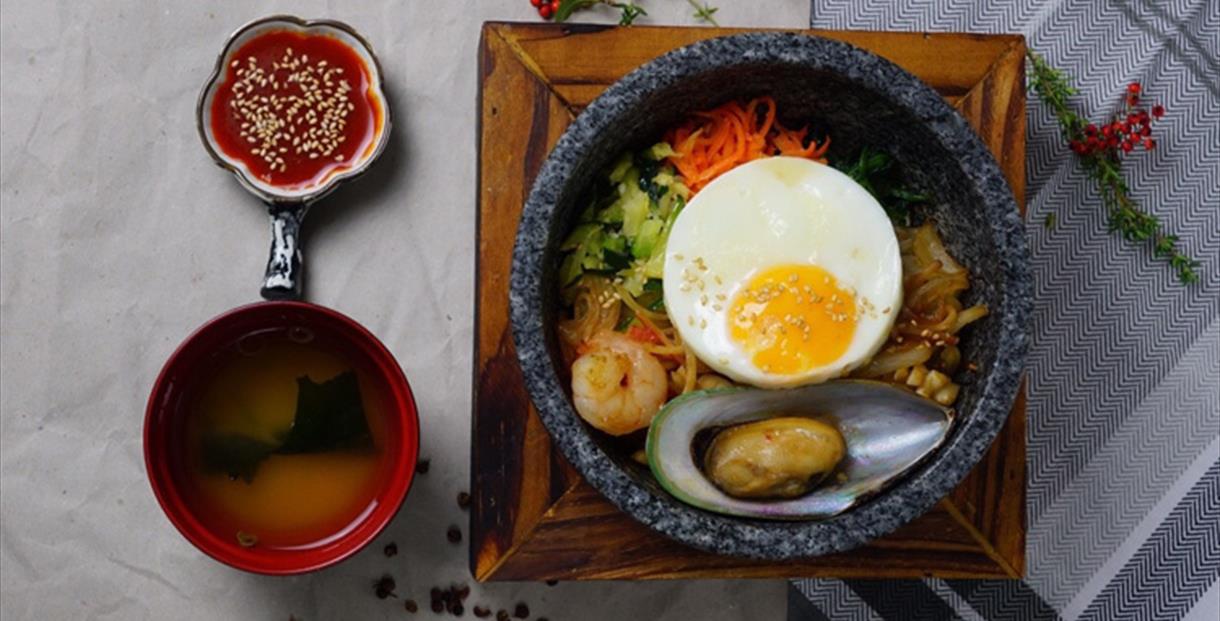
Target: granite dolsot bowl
x,y
860,99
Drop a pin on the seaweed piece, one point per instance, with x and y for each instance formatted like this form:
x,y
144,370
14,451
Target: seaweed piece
x,y
329,417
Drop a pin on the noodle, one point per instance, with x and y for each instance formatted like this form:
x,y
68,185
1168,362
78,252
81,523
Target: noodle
x,y
644,315
593,310
924,339
692,371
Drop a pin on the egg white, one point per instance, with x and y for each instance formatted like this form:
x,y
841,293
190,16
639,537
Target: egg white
x,y
771,212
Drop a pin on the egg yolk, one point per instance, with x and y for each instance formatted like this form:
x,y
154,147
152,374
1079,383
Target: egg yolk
x,y
793,318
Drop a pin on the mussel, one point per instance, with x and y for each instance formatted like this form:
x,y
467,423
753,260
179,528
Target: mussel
x,y
797,454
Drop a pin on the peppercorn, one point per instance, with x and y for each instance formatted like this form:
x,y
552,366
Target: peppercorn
x,y
422,466
481,612
411,606
454,534
384,587
521,611
463,500
390,549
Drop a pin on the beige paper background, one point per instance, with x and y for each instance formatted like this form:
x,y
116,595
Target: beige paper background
x,y
119,236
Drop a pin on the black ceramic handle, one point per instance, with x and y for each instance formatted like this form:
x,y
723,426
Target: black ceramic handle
x,y
284,278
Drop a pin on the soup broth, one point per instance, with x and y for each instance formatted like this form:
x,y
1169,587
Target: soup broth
x,y
284,441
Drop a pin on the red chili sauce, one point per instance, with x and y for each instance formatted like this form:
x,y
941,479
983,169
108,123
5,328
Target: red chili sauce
x,y
296,108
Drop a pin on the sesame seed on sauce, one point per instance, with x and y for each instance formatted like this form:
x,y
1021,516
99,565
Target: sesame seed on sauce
x,y
295,108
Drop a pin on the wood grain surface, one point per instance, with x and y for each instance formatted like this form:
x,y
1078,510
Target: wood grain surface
x,y
533,517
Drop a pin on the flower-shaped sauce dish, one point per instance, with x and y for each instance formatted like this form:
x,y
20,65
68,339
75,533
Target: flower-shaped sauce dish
x,y
293,108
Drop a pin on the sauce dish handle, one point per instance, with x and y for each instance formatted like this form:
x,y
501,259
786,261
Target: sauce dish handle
x,y
284,278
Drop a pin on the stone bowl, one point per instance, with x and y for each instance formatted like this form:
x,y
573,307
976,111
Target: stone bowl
x,y
860,99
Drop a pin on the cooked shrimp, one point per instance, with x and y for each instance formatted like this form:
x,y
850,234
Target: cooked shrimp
x,y
617,385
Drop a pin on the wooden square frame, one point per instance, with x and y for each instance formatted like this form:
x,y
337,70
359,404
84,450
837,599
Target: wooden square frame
x,y
533,517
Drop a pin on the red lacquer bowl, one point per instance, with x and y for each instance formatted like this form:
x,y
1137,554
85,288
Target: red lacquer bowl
x,y
164,429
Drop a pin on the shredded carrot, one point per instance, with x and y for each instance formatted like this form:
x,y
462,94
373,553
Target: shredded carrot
x,y
713,142
643,334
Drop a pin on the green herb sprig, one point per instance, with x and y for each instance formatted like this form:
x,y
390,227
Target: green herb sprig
x,y
628,11
704,13
1104,166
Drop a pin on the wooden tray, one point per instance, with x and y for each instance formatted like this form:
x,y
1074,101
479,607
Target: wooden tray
x,y
533,517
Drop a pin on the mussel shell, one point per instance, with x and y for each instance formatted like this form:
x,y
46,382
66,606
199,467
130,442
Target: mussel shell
x,y
887,430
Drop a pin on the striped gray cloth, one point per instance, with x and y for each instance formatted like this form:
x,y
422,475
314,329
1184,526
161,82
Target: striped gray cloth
x,y
1124,377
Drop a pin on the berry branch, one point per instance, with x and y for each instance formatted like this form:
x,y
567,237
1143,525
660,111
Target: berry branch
x,y
1100,150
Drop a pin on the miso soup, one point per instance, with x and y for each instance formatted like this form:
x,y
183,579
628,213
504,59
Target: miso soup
x,y
285,440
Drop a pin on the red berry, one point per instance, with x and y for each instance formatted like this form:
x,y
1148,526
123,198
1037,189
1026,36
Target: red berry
x,y
1133,88
1158,111
1107,130
1149,143
536,3
1146,131
555,5
1090,129
546,11
1127,147
1112,142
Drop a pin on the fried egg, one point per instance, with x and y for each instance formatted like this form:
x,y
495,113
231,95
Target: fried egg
x,y
783,272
